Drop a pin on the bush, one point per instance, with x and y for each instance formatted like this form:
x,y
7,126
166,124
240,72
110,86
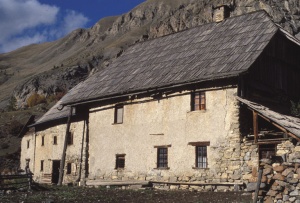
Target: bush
x,y
295,108
4,146
35,99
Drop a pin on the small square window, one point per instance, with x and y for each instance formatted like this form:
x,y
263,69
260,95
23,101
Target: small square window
x,y
43,140
70,138
162,157
120,161
119,109
55,140
42,165
198,101
267,151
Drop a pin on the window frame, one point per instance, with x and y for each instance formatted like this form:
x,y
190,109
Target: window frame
x,y
162,157
42,165
70,138
266,148
118,120
200,159
55,140
200,145
198,101
120,161
69,168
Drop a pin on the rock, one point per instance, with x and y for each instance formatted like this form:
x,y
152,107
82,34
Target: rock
x,y
266,161
287,171
279,168
278,176
278,196
285,197
291,199
174,187
173,179
293,181
295,193
272,193
267,171
252,186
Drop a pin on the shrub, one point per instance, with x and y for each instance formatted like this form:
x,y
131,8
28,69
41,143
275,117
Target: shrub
x,y
295,108
35,99
4,146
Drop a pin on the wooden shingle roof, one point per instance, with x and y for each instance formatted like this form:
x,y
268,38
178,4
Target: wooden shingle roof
x,y
206,52
210,51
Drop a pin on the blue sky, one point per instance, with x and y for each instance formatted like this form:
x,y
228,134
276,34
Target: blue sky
x,y
23,22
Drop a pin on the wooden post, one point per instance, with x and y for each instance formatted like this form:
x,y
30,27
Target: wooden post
x,y
63,156
258,185
255,126
29,181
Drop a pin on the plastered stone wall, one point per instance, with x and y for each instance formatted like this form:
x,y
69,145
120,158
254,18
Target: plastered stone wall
x,y
168,121
27,150
50,151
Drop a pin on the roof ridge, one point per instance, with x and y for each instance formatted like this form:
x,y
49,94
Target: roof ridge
x,y
205,24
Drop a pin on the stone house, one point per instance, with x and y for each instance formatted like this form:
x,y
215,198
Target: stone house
x,y
199,107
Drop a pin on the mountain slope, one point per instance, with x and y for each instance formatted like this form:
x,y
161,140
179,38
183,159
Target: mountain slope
x,y
95,47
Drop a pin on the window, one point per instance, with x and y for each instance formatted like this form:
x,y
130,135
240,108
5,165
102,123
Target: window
x,y
28,144
70,138
120,161
55,140
69,168
42,165
162,157
43,140
119,109
200,153
198,101
267,151
201,157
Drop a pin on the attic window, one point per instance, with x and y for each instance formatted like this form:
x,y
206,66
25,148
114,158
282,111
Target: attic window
x,y
55,140
70,138
43,140
42,165
119,109
120,161
198,101
69,168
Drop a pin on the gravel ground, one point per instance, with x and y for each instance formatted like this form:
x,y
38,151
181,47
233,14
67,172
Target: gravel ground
x,y
53,194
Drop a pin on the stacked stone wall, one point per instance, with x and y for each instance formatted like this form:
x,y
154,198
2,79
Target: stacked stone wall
x,y
280,176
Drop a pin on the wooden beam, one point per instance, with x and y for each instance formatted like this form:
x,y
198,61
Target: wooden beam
x,y
63,156
279,127
255,126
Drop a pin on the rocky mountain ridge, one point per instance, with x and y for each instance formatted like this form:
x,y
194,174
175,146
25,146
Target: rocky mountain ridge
x,y
95,47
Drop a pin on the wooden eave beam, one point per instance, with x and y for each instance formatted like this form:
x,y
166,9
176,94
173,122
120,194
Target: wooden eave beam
x,y
273,123
255,126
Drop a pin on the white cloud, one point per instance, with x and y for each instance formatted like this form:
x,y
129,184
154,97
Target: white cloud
x,y
22,41
25,22
73,20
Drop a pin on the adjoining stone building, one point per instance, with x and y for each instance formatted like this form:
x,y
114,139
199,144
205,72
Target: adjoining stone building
x,y
200,106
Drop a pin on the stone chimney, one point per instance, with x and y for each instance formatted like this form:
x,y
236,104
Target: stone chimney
x,y
220,13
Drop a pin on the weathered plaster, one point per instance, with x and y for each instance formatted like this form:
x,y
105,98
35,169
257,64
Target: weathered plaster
x,y
167,121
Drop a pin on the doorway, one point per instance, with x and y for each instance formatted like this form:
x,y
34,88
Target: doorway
x,y
55,171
